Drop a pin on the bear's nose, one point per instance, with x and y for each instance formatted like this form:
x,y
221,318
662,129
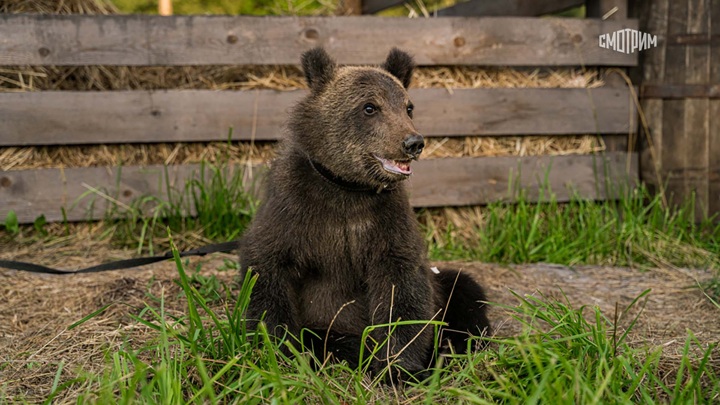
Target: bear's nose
x,y
413,145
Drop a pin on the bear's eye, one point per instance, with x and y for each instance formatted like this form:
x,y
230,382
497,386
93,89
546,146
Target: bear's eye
x,y
410,109
369,109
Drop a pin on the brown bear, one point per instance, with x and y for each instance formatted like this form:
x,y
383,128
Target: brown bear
x,y
335,244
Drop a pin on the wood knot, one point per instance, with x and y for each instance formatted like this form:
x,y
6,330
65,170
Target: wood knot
x,y
155,113
44,52
232,39
459,41
5,182
311,34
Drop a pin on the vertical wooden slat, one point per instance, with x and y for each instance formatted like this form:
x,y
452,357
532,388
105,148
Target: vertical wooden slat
x,y
696,120
653,18
714,117
614,10
674,142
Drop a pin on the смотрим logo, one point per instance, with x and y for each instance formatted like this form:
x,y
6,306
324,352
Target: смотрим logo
x,y
627,40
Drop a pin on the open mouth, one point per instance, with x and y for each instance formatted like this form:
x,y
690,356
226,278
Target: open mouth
x,y
395,166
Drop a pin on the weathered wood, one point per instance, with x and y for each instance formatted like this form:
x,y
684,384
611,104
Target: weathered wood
x,y
613,10
714,120
502,8
674,138
472,181
436,182
697,120
46,118
653,17
246,40
681,91
694,39
141,116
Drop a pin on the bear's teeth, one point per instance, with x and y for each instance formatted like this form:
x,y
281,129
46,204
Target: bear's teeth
x,y
394,166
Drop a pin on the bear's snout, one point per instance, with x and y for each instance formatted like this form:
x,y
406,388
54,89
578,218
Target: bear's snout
x,y
413,145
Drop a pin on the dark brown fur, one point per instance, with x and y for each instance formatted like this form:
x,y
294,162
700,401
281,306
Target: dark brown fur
x,y
335,242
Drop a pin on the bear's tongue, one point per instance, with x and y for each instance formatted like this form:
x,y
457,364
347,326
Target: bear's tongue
x,y
394,166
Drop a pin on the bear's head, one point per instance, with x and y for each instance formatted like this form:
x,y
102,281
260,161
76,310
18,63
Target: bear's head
x,y
357,121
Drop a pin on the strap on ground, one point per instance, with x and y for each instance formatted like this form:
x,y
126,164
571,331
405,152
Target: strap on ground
x,y
224,247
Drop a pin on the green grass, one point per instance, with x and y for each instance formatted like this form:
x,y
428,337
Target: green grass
x,y
221,207
208,356
636,230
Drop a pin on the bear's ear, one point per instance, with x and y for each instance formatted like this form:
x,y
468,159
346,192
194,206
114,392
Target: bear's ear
x,y
400,65
319,68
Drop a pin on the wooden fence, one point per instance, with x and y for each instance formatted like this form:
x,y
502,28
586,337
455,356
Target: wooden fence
x,y
72,117
680,83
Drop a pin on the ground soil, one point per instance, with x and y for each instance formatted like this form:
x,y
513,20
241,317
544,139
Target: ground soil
x,y
36,311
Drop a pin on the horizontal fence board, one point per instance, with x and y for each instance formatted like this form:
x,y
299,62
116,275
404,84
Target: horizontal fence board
x,y
27,39
45,118
471,181
436,182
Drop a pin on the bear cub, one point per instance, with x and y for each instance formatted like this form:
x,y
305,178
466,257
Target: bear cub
x,y
335,244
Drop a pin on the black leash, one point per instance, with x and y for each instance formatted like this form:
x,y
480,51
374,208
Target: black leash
x,y
224,247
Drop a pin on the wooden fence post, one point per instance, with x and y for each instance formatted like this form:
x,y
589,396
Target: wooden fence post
x,y
682,110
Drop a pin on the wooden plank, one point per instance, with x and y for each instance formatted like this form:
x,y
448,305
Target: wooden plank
x,y
674,138
436,182
714,121
502,8
472,181
141,116
697,119
612,10
204,115
653,17
681,91
83,192
246,40
694,39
